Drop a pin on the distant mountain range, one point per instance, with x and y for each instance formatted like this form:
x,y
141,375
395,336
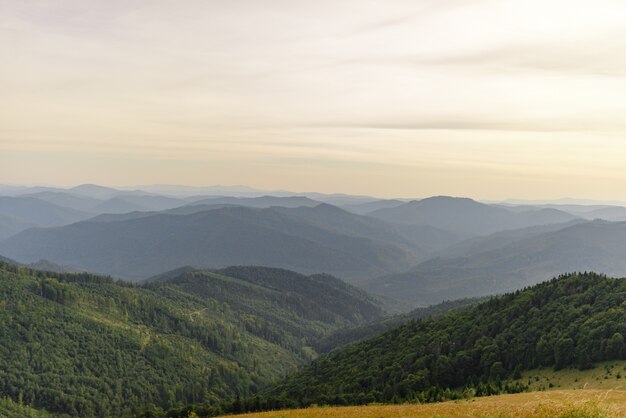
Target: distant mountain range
x,y
20,213
505,262
320,239
418,252
466,216
24,208
196,329
260,202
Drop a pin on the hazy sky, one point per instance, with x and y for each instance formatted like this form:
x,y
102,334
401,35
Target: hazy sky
x,y
489,99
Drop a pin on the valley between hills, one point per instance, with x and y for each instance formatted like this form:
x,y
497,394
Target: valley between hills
x,y
207,305
312,209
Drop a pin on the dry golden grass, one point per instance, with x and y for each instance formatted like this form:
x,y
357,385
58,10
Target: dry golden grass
x,y
582,403
605,376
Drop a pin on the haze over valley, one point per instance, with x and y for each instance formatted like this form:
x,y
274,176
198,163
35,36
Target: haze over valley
x,y
416,251
281,297
312,209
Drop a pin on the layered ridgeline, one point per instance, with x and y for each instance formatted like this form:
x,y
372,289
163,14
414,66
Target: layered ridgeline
x,y
511,260
296,233
574,320
90,346
20,213
467,216
324,238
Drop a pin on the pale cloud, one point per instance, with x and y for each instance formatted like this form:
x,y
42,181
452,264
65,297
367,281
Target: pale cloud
x,y
481,98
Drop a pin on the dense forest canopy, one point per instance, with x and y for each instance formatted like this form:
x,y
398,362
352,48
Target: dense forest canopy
x,y
574,320
353,334
88,345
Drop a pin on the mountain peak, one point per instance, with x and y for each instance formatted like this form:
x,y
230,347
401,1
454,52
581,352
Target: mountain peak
x,y
447,199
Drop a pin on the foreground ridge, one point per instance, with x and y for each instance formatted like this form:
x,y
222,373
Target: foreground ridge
x,y
573,320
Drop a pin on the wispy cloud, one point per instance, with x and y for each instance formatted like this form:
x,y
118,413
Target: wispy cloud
x,y
415,85
582,124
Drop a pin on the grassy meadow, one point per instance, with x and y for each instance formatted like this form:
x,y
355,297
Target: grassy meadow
x,y
568,393
605,376
584,403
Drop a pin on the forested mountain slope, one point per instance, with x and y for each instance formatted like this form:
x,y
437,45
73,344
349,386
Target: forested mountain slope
x,y
353,334
502,263
574,320
87,345
321,239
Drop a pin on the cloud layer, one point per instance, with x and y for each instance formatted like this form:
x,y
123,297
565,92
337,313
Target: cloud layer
x,y
484,98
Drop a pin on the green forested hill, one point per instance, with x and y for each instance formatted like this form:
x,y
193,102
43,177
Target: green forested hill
x,y
574,320
353,334
87,345
10,408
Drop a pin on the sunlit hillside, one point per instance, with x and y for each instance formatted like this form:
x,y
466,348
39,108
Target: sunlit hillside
x,y
588,403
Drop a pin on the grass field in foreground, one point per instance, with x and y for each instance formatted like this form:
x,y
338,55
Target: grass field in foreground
x,y
567,393
605,376
575,403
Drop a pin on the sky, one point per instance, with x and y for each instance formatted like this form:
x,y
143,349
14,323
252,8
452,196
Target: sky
x,y
488,99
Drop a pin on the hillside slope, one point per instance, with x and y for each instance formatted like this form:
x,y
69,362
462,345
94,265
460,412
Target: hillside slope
x,y
501,263
466,216
308,240
89,346
576,320
353,334
20,213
